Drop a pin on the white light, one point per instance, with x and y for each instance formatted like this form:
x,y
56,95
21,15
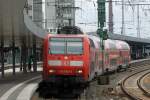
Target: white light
x,y
51,71
54,63
76,63
79,71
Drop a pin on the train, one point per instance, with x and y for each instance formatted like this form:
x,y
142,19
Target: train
x,y
72,56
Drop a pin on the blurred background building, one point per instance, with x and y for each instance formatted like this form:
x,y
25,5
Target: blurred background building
x,y
52,14
58,13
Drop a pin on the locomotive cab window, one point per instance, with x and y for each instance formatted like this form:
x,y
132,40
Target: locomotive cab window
x,y
74,47
57,47
65,46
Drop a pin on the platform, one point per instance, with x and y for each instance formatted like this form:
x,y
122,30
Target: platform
x,y
19,86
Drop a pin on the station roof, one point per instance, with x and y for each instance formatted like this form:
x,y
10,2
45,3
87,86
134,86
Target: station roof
x,y
129,38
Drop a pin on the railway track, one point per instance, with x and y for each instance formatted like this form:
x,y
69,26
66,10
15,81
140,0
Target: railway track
x,y
140,81
132,85
91,93
88,93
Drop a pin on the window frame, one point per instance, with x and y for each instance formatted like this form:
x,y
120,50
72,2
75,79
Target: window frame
x,y
66,40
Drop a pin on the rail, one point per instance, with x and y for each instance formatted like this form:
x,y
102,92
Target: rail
x,y
145,62
139,82
132,96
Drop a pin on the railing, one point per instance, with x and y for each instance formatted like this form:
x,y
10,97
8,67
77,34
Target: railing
x,y
9,66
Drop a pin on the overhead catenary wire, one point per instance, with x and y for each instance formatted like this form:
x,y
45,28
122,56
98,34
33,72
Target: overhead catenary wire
x,y
84,14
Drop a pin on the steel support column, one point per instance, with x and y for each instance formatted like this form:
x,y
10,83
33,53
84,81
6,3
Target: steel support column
x,y
24,54
21,66
2,41
13,54
13,47
143,51
34,54
2,54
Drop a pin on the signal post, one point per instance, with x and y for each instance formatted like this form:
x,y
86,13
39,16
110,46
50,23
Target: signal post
x,y
103,79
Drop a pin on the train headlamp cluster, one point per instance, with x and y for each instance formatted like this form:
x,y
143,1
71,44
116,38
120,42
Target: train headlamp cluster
x,y
79,71
66,71
52,71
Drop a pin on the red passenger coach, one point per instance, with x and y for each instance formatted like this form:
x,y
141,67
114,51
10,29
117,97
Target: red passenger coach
x,y
124,52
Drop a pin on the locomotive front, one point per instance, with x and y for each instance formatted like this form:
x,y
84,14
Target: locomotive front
x,y
66,58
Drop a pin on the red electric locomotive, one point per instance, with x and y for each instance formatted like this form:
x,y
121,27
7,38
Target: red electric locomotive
x,y
76,57
66,56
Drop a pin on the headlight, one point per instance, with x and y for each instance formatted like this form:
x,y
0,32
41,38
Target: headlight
x,y
76,63
51,71
54,63
79,71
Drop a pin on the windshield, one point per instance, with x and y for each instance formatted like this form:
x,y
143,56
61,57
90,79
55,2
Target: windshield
x,y
65,46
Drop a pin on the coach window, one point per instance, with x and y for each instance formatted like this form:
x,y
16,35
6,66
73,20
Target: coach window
x,y
125,60
113,62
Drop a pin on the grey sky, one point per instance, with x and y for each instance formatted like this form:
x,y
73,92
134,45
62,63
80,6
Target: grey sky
x,y
86,17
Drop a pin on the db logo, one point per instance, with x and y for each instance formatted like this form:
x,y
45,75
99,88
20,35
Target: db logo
x,y
65,57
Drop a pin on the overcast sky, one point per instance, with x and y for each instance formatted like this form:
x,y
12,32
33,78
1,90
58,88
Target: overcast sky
x,y
86,17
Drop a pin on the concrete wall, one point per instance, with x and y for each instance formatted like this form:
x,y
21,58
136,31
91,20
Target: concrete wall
x,y
11,13
12,21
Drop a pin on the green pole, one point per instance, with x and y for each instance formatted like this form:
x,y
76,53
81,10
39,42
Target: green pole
x,y
101,23
101,13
